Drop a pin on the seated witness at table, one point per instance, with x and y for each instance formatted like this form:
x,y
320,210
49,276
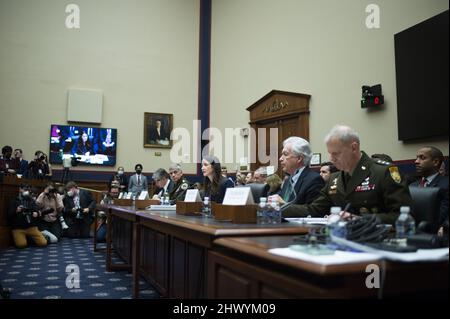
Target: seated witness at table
x,y
215,185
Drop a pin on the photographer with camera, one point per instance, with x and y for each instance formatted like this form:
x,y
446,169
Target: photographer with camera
x,y
39,167
79,206
51,205
23,217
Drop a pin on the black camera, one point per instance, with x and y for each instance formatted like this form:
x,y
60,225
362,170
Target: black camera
x,y
47,211
79,213
28,215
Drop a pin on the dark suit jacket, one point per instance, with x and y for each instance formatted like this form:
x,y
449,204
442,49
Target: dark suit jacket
x,y
23,168
86,201
440,182
307,188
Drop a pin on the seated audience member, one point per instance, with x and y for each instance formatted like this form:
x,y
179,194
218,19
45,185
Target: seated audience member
x,y
101,227
163,183
304,185
79,206
224,172
181,183
8,164
121,178
138,182
260,175
428,161
274,181
51,206
23,218
326,169
215,185
111,195
38,168
249,178
368,186
240,178
23,164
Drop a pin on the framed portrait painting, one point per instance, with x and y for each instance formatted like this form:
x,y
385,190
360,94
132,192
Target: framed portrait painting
x,y
157,129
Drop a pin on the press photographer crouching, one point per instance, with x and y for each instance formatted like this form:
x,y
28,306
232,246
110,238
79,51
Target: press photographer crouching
x,y
23,217
51,206
79,206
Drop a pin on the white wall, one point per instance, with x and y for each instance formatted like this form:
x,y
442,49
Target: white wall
x,y
318,47
143,54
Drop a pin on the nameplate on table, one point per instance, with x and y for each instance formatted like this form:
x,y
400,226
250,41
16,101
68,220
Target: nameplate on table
x,y
192,195
143,195
238,196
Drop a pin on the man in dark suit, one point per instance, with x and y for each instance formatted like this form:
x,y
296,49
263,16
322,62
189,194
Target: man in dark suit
x,y
8,164
23,164
303,184
158,133
164,183
428,161
79,207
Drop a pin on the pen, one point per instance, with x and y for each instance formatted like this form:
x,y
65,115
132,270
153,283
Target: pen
x,y
347,207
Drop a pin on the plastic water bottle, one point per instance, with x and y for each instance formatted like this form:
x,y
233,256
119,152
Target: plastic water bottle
x,y
206,210
165,200
405,225
261,212
276,213
133,203
333,222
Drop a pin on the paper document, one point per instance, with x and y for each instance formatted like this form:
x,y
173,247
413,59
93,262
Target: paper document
x,y
308,220
162,207
339,257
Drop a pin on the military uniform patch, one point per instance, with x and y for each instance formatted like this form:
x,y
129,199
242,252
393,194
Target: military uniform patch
x,y
184,186
395,174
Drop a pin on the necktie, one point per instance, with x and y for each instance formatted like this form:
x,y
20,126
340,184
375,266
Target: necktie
x,y
423,182
139,179
288,190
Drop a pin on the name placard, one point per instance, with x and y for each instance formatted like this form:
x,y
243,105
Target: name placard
x,y
143,195
192,195
128,195
238,196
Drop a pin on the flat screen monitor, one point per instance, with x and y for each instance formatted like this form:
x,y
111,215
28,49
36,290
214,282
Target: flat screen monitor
x,y
89,145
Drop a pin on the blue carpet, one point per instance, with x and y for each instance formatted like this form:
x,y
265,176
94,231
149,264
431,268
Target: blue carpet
x,y
40,273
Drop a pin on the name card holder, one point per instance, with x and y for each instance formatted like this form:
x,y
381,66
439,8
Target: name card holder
x,y
238,214
143,203
123,202
189,208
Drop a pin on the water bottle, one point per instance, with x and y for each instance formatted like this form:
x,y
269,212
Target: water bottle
x,y
276,213
261,212
333,221
268,213
206,210
133,203
165,199
405,225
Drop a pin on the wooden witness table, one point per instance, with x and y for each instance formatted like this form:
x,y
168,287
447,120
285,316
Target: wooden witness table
x,y
171,250
242,267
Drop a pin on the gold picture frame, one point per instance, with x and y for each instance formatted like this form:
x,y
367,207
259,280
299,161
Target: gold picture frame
x,y
157,129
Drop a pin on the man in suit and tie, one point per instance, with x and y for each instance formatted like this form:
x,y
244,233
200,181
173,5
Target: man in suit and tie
x,y
428,161
164,183
303,184
138,182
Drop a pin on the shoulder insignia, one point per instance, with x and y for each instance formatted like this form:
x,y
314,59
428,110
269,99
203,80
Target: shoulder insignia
x,y
184,186
395,174
381,162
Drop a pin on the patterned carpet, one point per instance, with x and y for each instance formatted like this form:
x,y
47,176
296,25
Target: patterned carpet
x,y
41,273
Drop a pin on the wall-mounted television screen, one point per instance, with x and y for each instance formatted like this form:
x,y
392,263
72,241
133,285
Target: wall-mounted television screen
x,y
421,66
89,145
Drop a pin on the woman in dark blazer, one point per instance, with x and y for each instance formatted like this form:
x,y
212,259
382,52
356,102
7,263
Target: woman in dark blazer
x,y
215,185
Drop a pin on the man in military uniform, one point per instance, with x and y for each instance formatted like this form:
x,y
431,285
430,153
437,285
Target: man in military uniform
x,y
181,183
363,185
